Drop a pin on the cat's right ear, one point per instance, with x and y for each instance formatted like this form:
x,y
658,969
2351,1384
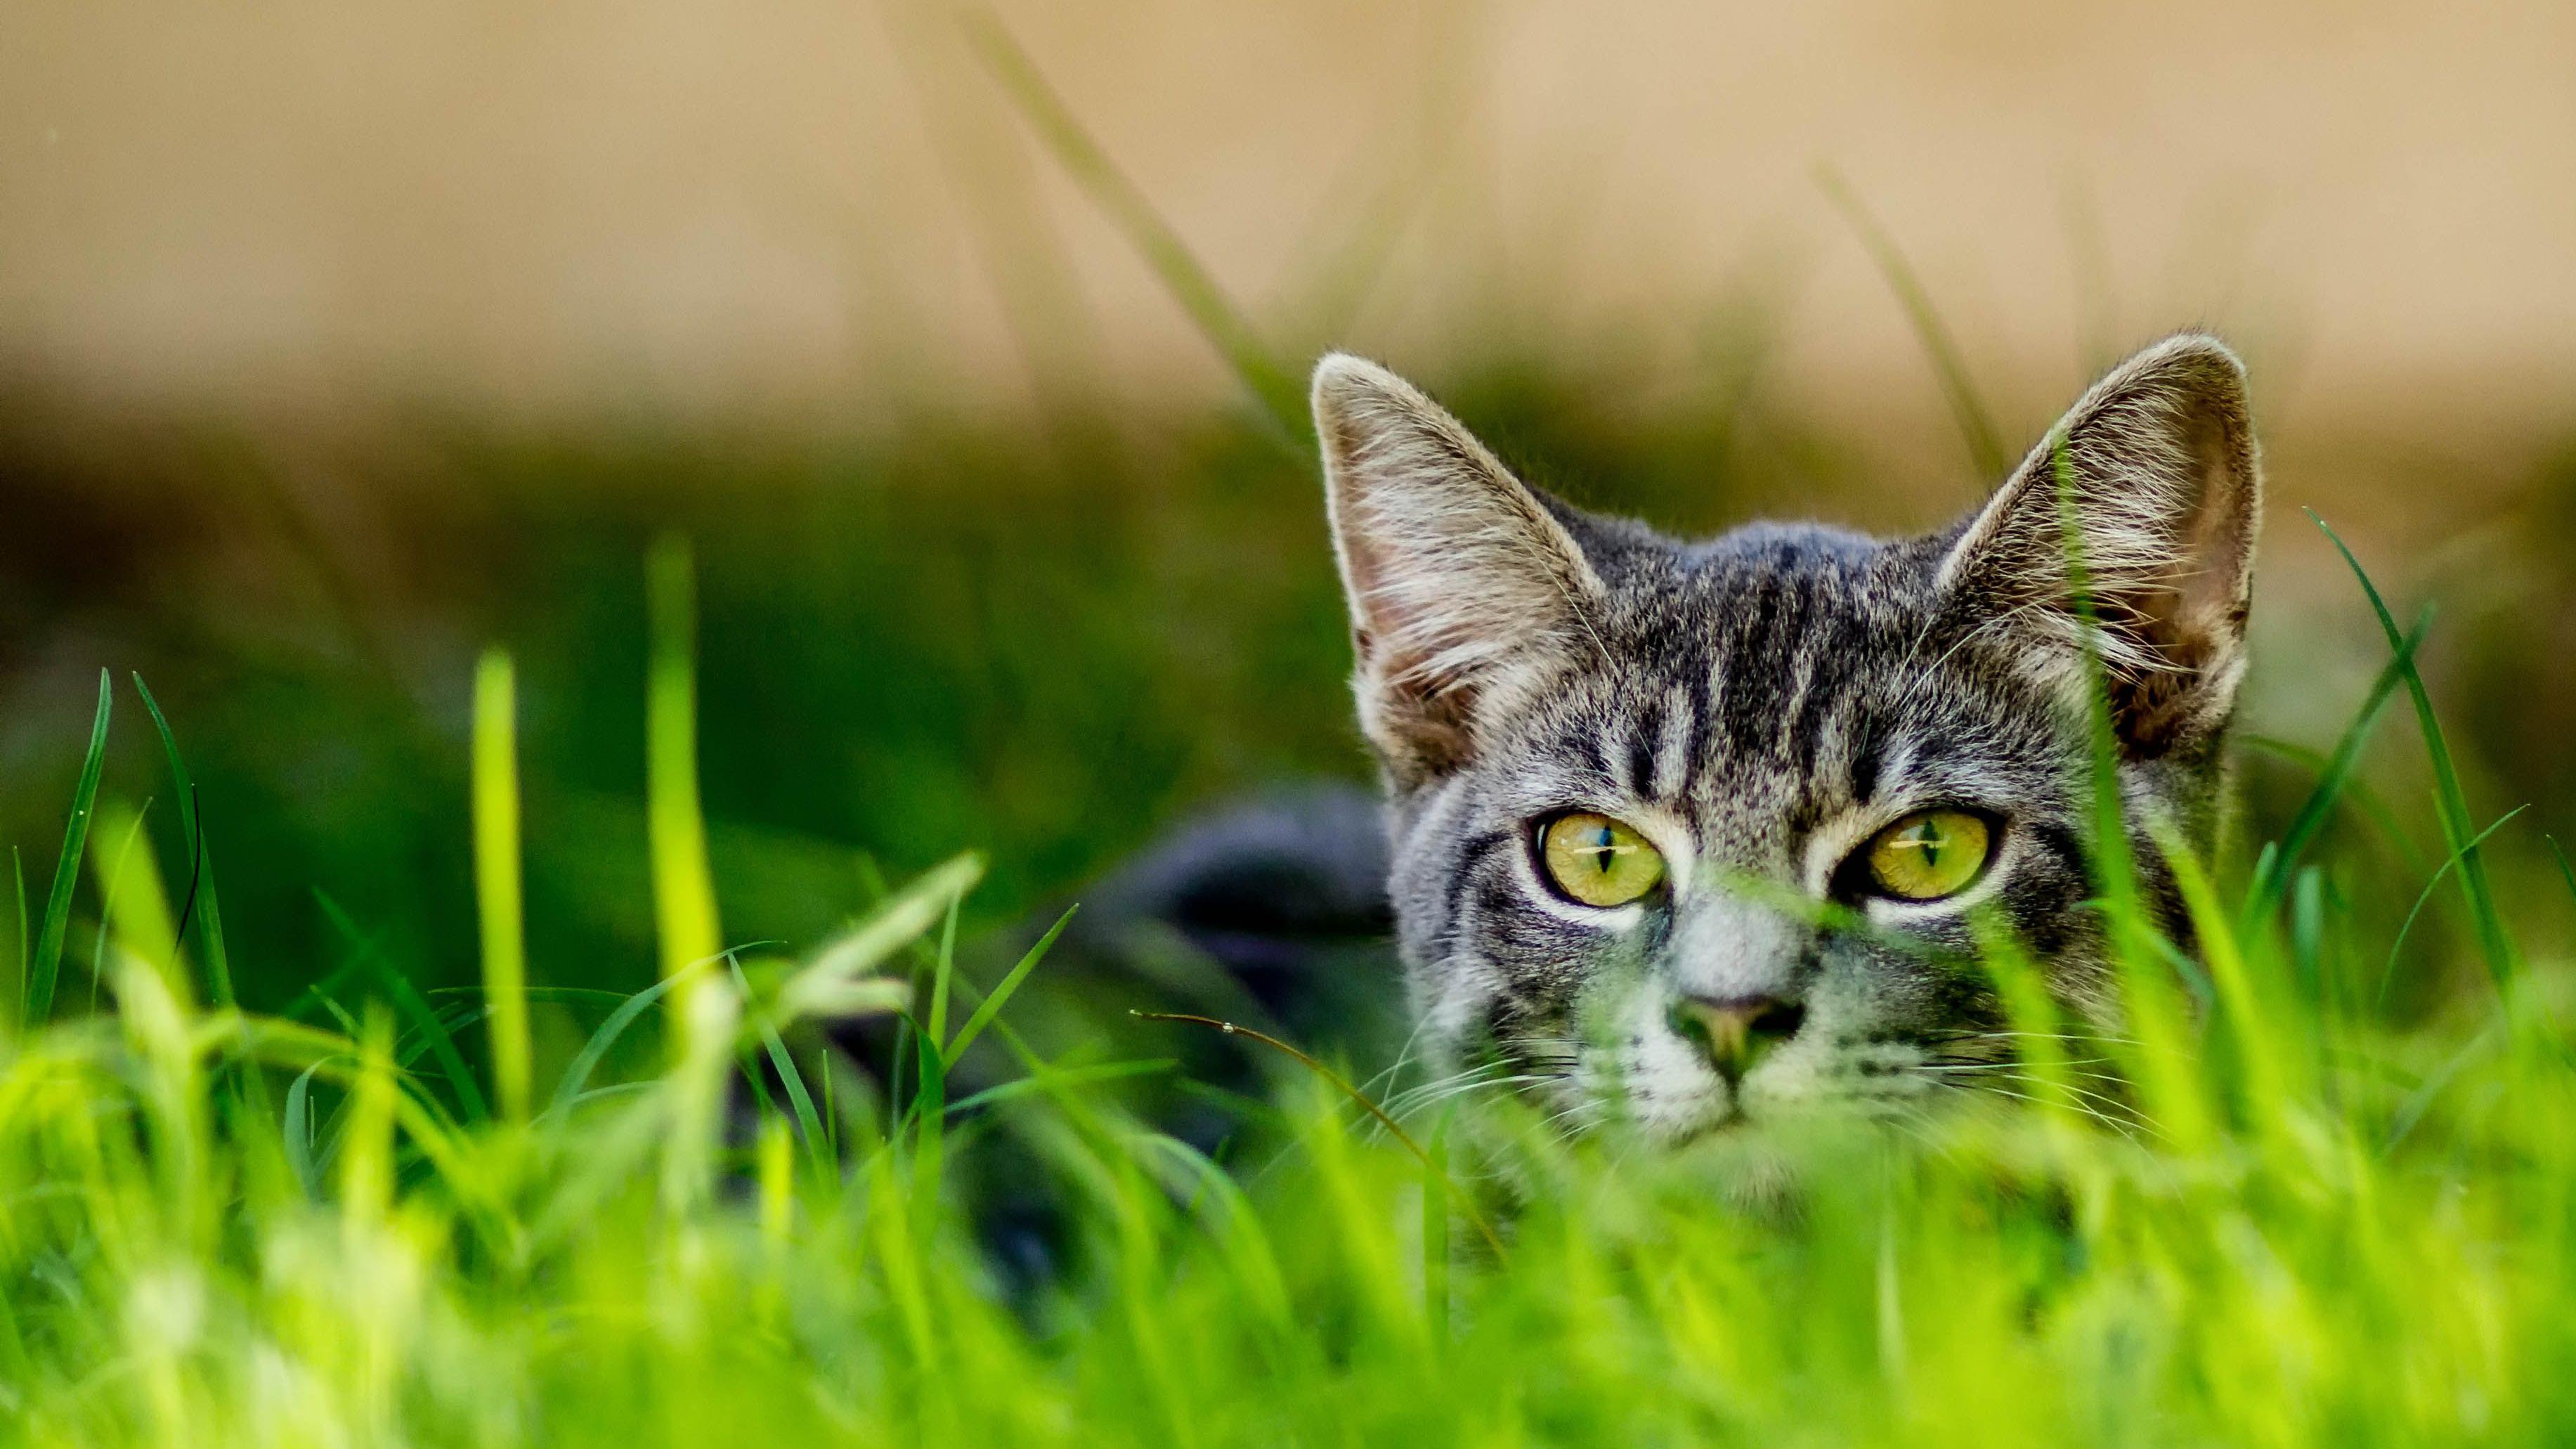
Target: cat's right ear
x,y
1462,585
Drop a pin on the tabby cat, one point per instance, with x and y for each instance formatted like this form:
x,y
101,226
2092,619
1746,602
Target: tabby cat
x,y
1672,823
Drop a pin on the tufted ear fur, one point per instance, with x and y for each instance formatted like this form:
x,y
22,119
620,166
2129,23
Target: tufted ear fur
x,y
1462,585
2162,480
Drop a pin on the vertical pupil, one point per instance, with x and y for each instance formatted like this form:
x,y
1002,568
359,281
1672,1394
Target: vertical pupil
x,y
1603,855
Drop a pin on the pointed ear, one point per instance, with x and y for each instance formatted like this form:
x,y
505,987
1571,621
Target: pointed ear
x,y
2162,482
1462,586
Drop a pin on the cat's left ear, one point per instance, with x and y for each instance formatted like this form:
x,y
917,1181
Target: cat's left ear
x,y
2157,468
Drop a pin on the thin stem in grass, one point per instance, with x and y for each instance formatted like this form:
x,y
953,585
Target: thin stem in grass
x,y
2458,857
991,1006
406,998
2273,881
2374,809
14,1000
2450,801
1435,1232
1341,1084
684,901
1182,274
497,879
947,967
45,966
1976,425
202,908
134,910
2564,872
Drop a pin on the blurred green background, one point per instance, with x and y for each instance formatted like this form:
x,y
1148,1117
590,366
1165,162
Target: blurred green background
x,y
335,348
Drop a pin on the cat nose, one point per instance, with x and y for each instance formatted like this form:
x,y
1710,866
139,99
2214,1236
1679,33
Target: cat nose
x,y
1734,1032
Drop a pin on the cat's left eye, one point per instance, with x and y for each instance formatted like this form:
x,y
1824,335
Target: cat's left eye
x,y
1598,861
1928,855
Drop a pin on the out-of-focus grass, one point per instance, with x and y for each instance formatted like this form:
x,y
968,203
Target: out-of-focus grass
x,y
458,1167
2297,1224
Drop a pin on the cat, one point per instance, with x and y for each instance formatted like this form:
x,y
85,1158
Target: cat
x,y
1688,834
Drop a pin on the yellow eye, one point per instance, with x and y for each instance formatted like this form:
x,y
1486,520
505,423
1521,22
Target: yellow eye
x,y
1926,856
1597,860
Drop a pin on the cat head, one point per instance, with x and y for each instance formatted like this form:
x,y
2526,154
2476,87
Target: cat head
x,y
1702,830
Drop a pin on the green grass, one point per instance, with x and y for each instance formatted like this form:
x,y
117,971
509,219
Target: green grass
x,y
452,1163
2300,1225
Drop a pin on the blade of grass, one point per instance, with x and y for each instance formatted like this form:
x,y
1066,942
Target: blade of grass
x,y
940,975
2451,801
46,966
843,977
594,1051
684,899
134,909
809,1123
930,1108
13,1000
1435,1232
1976,425
2564,873
2273,880
1188,280
992,1005
2388,972
202,910
2356,791
1339,1083
406,998
1081,1076
497,881
298,1131
2097,302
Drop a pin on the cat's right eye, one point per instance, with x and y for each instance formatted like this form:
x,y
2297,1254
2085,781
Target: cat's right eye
x,y
1598,861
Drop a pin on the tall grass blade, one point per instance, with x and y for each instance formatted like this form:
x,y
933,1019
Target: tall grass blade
x,y
1053,1078
2457,859
1189,281
1435,1232
134,907
684,900
406,998
930,1111
13,999
1338,1083
1976,425
497,882
203,914
843,977
2451,802
992,1005
2272,880
367,1142
297,1132
46,965
2556,854
604,1039
942,972
809,1123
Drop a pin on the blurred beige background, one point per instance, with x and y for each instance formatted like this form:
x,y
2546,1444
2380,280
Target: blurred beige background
x,y
810,214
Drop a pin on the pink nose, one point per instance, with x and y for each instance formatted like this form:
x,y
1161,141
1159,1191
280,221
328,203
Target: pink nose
x,y
1735,1032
